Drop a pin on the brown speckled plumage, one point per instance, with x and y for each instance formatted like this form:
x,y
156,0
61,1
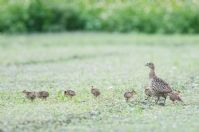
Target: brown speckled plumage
x,y
159,87
69,93
148,92
174,96
129,94
42,94
95,91
30,95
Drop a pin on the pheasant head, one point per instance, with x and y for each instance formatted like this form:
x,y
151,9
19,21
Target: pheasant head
x,y
150,65
152,69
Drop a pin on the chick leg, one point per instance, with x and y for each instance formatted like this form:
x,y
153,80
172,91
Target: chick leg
x,y
165,97
158,98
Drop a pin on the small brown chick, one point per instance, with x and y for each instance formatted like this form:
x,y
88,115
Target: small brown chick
x,y
148,92
128,95
95,91
30,95
42,94
174,96
69,93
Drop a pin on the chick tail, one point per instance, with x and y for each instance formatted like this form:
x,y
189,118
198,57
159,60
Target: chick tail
x,y
179,99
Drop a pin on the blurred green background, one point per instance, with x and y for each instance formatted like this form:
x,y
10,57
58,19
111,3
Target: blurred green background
x,y
147,16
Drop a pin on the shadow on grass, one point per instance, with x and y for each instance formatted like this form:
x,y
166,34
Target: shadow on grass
x,y
67,120
66,59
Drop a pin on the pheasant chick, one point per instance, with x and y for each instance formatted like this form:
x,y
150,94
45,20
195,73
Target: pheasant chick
x,y
69,93
128,95
42,94
95,91
30,95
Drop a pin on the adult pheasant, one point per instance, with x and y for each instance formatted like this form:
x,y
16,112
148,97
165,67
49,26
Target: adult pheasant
x,y
159,87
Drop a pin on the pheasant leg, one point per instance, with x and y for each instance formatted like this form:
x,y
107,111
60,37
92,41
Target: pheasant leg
x,y
165,97
158,98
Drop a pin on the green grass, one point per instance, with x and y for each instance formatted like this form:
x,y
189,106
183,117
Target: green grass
x,y
111,62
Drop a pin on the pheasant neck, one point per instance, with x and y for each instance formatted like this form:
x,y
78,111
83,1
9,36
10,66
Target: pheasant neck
x,y
152,73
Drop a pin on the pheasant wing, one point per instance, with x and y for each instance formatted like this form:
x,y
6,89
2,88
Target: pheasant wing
x,y
163,87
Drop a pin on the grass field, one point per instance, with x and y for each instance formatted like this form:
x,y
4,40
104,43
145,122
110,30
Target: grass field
x,y
113,63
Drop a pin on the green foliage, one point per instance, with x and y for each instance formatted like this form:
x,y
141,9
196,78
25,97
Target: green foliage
x,y
114,16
